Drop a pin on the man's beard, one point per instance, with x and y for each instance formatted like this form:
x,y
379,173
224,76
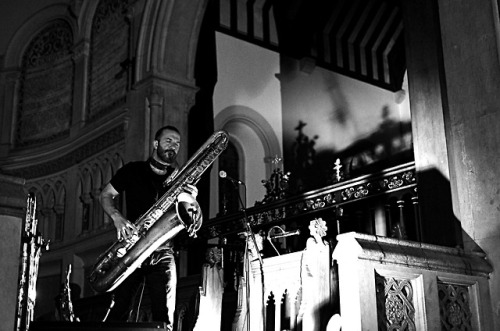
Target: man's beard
x,y
166,155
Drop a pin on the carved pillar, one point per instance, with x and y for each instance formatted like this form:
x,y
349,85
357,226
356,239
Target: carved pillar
x,y
46,221
416,215
454,79
59,221
72,208
9,96
379,220
12,203
97,214
85,200
80,58
157,102
402,221
427,90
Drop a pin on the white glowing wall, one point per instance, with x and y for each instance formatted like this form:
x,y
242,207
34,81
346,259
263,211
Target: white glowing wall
x,y
247,84
250,81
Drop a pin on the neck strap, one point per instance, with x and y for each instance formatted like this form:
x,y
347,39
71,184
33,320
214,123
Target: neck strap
x,y
158,165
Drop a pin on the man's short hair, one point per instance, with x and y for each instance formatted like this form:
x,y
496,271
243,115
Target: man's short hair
x,y
167,127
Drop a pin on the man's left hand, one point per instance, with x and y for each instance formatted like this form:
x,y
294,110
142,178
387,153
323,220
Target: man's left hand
x,y
191,189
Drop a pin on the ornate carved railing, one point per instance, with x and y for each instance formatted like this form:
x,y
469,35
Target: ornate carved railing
x,y
396,186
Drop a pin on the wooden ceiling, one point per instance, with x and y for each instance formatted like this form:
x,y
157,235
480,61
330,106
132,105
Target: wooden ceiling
x,y
362,39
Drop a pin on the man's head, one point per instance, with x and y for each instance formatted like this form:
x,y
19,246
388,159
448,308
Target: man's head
x,y
166,144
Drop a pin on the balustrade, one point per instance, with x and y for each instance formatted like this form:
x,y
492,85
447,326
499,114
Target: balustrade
x,y
383,203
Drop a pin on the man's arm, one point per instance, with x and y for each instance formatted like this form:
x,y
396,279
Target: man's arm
x,y
124,228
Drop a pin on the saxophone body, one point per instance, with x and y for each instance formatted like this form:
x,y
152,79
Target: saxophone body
x,y
175,211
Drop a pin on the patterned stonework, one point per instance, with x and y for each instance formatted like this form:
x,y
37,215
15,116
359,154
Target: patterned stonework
x,y
110,62
395,308
454,304
46,87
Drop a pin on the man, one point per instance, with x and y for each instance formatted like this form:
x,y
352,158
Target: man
x,y
142,183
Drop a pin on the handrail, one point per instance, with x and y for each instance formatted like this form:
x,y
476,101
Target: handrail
x,y
401,177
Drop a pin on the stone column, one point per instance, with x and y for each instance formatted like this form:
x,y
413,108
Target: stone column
x,y
80,58
12,204
427,92
6,120
454,79
157,102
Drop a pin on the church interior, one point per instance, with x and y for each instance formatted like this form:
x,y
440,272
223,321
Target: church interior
x,y
358,188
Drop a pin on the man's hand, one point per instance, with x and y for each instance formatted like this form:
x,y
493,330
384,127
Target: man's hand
x,y
191,189
124,228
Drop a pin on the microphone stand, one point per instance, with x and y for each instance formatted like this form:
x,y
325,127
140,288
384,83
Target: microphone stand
x,y
247,258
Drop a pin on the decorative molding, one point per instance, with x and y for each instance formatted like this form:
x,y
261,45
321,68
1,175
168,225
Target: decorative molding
x,y
76,156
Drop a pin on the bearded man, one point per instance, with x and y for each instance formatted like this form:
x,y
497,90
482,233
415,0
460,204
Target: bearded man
x,y
142,183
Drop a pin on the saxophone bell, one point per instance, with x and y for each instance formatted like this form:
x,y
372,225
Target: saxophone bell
x,y
114,266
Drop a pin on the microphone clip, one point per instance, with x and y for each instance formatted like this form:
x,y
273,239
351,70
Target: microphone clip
x,y
223,175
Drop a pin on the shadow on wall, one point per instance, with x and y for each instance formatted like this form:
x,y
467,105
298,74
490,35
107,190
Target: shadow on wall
x,y
439,225
389,145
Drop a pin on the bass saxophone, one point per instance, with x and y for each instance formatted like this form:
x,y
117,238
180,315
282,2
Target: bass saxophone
x,y
174,211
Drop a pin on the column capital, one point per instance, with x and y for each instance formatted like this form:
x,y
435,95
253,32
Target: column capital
x,y
81,50
12,76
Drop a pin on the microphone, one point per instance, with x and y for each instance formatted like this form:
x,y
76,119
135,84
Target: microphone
x,y
285,234
223,174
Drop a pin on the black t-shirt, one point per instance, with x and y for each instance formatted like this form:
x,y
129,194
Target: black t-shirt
x,y
140,186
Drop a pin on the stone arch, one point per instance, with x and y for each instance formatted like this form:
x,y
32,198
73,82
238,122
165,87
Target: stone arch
x,y
86,17
170,54
30,28
257,123
14,59
255,141
44,97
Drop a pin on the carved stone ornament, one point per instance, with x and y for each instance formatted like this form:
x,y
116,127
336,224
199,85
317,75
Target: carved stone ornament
x,y
395,307
81,50
454,304
155,95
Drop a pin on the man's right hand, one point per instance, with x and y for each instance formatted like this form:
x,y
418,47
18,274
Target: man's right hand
x,y
124,228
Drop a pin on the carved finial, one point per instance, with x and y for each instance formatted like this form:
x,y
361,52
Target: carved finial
x,y
338,172
276,161
317,227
